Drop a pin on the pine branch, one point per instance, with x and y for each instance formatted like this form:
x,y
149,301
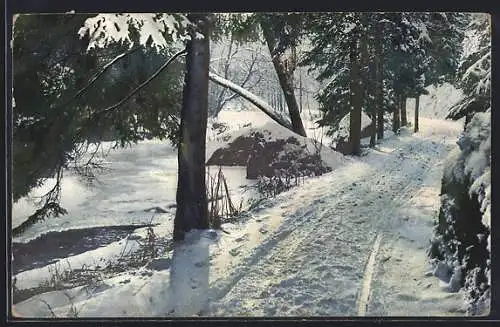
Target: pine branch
x,y
103,70
99,74
143,84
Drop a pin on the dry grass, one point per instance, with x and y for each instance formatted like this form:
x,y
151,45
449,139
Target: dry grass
x,y
221,206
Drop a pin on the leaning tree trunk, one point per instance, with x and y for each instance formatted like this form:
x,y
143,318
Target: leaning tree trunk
x,y
192,205
379,92
285,77
417,104
356,101
404,119
396,124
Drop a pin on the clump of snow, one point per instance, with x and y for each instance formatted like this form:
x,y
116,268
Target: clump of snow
x,y
452,171
343,131
105,29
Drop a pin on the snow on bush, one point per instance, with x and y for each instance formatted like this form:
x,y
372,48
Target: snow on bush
x,y
273,132
463,240
159,29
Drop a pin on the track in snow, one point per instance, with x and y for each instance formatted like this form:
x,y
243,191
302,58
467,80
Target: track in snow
x,y
314,263
367,280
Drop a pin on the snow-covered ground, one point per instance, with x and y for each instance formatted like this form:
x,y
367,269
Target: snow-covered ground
x,y
137,178
351,242
314,262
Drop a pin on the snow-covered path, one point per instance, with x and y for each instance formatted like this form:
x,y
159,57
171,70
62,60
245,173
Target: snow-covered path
x,y
349,243
315,260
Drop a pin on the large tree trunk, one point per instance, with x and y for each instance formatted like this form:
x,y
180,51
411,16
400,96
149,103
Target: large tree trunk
x,y
356,101
396,124
192,205
404,119
417,104
379,92
284,70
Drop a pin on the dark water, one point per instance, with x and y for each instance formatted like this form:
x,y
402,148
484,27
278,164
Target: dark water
x,y
52,246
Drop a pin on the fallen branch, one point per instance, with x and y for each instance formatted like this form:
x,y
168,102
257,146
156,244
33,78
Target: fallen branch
x,y
258,102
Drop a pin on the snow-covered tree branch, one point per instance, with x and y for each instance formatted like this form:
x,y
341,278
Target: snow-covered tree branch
x,y
258,102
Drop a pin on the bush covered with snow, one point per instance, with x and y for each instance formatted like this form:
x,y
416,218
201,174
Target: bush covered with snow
x,y
272,150
462,234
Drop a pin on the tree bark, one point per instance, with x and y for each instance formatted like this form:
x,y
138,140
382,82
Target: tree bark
x,y
285,77
300,91
404,119
356,101
379,92
417,104
396,124
366,77
192,204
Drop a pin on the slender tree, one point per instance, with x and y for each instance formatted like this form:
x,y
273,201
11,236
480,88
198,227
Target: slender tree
x,y
404,119
356,99
366,82
396,122
417,105
379,88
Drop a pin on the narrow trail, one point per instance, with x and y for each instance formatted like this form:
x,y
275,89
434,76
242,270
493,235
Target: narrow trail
x,y
324,257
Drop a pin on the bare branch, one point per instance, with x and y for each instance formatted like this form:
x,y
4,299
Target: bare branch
x,y
227,99
259,78
229,57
